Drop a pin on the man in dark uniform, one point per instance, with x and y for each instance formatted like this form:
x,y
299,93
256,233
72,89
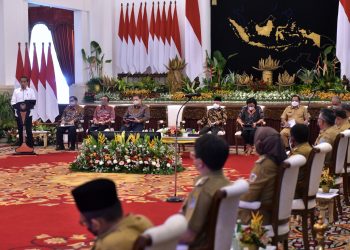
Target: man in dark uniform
x,y
209,158
101,212
136,115
215,119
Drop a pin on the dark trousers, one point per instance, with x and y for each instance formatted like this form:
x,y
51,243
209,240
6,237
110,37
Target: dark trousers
x,y
72,136
248,136
132,126
214,130
28,125
98,128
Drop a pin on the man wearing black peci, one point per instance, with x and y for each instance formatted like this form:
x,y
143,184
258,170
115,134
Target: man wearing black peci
x,y
20,95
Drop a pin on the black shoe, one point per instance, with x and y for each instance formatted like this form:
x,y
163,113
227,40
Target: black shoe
x,y
72,149
58,148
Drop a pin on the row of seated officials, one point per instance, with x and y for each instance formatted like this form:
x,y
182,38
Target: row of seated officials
x,y
102,213
250,117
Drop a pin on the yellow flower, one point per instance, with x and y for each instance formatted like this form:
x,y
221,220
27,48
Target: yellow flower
x,y
101,138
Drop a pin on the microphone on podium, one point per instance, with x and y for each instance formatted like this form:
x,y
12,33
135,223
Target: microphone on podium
x,y
192,95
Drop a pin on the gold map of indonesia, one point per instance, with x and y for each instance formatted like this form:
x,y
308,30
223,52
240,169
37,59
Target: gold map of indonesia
x,y
280,38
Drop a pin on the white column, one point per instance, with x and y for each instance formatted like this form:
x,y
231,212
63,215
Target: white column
x,y
13,29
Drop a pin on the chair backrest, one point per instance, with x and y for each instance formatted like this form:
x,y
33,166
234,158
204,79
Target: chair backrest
x,y
285,189
314,166
165,236
339,152
223,215
172,113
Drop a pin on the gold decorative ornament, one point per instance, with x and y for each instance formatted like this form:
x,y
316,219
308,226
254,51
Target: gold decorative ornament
x,y
244,79
175,76
267,66
320,228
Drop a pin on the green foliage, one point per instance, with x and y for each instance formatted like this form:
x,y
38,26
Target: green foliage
x,y
7,118
191,87
306,76
95,60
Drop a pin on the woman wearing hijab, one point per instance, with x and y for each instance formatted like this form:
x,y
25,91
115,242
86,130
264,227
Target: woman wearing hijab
x,y
250,117
269,145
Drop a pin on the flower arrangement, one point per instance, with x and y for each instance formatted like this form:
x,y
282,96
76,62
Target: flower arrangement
x,y
172,132
125,155
255,233
327,180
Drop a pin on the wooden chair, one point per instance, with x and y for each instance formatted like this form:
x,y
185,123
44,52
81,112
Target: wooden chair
x,y
338,164
165,236
238,134
281,207
306,205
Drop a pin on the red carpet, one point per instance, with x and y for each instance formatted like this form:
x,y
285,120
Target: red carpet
x,y
32,219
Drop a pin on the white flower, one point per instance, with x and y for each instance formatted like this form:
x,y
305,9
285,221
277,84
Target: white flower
x,y
168,165
128,160
154,163
140,162
121,163
94,146
158,165
145,162
96,161
109,162
115,161
101,163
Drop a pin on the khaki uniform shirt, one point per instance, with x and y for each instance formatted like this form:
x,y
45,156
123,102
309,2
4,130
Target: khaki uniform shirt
x,y
343,127
299,114
197,204
261,187
328,135
215,115
303,149
123,235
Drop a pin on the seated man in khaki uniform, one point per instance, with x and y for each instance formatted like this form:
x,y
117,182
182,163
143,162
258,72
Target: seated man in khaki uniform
x,y
263,177
299,144
328,132
341,120
102,214
210,155
293,114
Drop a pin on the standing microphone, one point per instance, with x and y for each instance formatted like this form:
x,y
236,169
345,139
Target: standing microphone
x,y
192,95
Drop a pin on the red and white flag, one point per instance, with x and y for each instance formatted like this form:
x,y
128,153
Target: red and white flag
x,y
151,43
41,101
144,59
120,42
34,78
157,39
27,67
343,37
169,21
131,42
162,38
124,52
51,89
175,45
193,40
19,67
138,37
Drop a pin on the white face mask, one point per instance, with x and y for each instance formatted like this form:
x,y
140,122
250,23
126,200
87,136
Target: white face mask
x,y
251,108
334,107
135,102
72,103
216,106
295,104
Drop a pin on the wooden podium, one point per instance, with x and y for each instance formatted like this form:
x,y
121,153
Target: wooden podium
x,y
22,109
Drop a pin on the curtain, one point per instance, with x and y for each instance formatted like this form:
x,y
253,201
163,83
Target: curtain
x,y
61,24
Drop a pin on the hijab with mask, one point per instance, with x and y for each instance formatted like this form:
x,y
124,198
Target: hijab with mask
x,y
268,142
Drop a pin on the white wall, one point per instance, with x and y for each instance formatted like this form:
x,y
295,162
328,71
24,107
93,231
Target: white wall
x,y
94,20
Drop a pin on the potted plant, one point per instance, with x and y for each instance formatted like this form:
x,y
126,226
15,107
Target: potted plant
x,y
327,181
7,118
254,236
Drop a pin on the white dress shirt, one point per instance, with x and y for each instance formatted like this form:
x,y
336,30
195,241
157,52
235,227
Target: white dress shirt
x,y
20,95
